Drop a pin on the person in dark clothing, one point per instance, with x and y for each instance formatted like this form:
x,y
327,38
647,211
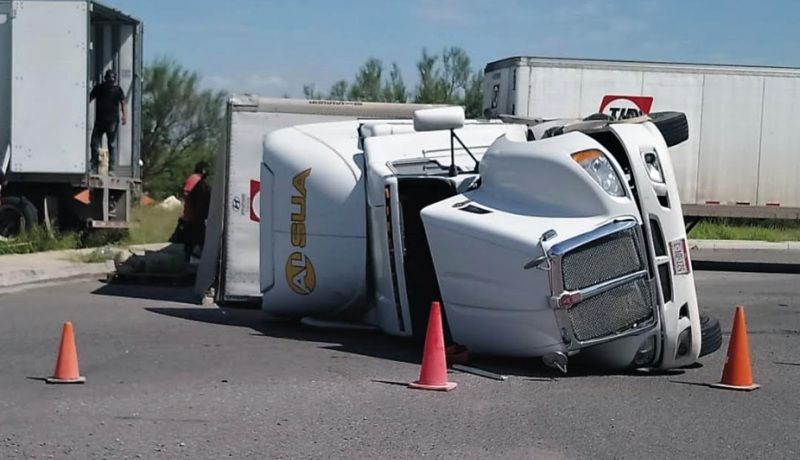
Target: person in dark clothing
x,y
196,200
110,102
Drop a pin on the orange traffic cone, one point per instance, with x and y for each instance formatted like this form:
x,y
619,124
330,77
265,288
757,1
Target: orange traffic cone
x,y
67,364
433,375
737,374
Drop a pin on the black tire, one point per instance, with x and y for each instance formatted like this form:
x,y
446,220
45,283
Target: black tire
x,y
673,126
17,214
711,335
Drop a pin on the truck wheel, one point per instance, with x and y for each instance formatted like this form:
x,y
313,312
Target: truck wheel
x,y
711,333
17,214
673,126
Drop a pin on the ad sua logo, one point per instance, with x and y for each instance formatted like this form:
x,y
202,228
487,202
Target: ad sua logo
x,y
300,274
624,107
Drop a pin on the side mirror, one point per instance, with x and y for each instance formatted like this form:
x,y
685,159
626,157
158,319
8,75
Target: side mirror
x,y
439,119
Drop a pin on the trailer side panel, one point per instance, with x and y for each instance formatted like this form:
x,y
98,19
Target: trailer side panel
x,y
49,62
730,139
780,144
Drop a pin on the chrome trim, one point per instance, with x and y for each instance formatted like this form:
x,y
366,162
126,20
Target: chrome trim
x,y
574,344
597,289
609,229
591,291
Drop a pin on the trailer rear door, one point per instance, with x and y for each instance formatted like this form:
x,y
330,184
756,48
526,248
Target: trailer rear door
x,y
49,62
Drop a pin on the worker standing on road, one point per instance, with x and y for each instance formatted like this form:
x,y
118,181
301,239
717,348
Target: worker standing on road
x,y
196,199
110,102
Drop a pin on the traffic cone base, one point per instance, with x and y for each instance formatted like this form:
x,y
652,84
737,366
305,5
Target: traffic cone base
x,y
735,387
80,379
433,374
444,387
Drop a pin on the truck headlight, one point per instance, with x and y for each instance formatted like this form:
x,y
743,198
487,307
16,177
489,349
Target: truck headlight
x,y
653,167
601,170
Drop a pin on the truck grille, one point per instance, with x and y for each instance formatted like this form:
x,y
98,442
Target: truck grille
x,y
612,311
603,260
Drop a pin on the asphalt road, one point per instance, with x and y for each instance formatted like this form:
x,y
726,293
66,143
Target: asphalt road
x,y
173,380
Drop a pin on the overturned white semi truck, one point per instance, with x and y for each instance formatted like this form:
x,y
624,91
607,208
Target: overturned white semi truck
x,y
542,239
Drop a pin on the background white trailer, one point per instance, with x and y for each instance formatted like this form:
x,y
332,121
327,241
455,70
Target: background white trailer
x,y
741,159
230,260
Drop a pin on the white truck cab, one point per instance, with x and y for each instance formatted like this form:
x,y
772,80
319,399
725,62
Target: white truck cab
x,y
541,239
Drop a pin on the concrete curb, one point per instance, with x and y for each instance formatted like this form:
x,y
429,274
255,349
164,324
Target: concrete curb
x,y
740,245
19,270
745,256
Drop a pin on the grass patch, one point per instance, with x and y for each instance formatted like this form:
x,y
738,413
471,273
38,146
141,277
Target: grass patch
x,y
152,225
39,239
148,225
747,229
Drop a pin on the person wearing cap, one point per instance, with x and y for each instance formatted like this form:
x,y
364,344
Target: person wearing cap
x,y
109,104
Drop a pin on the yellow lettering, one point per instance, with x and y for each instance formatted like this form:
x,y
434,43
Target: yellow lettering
x,y
299,235
300,202
299,181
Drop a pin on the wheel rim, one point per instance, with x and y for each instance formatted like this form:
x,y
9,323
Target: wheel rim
x,y
11,221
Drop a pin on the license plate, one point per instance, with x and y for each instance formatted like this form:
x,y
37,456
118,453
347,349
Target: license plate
x,y
680,257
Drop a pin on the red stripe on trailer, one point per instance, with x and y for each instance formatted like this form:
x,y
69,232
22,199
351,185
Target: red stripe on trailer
x,y
774,205
712,202
743,203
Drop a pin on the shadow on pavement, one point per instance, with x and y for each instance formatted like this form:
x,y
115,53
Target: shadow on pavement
x,y
149,292
377,345
365,343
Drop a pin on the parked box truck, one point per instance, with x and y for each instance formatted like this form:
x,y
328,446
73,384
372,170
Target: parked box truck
x,y
740,160
52,53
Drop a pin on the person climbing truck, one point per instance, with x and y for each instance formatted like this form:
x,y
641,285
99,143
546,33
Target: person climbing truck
x,y
110,102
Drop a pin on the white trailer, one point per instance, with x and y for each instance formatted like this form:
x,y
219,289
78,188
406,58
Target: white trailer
x,y
230,256
740,157
52,52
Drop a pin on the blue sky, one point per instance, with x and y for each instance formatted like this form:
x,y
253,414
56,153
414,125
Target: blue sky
x,y
271,47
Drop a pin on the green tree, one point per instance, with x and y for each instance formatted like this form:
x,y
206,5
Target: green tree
x,y
310,92
449,79
456,74
181,124
395,89
443,79
338,91
367,85
473,97
429,88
